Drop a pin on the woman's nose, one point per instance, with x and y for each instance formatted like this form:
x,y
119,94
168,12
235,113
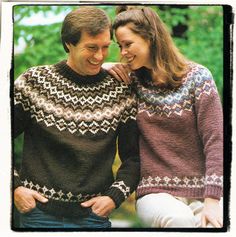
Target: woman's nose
x,y
123,52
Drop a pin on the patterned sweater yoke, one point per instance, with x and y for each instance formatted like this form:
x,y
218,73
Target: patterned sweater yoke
x,y
71,126
181,143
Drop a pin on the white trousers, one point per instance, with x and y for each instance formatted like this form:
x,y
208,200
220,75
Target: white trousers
x,y
165,211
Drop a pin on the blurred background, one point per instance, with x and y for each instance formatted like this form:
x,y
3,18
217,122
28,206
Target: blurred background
x,y
196,30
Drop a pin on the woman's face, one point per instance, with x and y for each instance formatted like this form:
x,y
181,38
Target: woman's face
x,y
133,48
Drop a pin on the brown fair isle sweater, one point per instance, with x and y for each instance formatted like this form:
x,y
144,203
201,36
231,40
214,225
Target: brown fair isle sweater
x,y
181,141
71,124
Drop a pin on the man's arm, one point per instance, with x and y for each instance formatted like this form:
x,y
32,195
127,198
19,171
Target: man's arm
x,y
24,198
128,174
21,116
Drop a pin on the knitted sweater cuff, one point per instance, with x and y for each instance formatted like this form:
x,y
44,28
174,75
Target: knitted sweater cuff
x,y
16,182
212,191
116,195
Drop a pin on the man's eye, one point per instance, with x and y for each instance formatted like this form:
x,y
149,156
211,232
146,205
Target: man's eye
x,y
92,48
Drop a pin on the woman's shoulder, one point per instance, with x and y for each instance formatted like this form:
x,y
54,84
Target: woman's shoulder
x,y
201,79
198,72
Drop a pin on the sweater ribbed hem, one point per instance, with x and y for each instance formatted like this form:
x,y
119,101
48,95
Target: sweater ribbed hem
x,y
212,191
197,193
64,209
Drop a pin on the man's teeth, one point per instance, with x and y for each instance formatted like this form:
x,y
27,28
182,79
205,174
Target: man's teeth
x,y
94,63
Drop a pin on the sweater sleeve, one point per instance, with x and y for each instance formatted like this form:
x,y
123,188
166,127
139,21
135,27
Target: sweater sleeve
x,y
21,115
128,174
210,126
22,90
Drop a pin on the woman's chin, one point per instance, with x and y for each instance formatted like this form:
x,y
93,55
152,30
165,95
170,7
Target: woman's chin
x,y
134,67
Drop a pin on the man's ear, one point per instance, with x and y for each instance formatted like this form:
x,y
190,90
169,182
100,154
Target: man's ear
x,y
68,46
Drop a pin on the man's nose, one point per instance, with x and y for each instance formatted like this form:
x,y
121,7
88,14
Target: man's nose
x,y
99,55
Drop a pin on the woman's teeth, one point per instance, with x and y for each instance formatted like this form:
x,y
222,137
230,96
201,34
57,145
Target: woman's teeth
x,y
129,60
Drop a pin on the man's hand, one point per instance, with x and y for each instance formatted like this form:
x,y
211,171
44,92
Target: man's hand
x,y
25,199
212,213
102,205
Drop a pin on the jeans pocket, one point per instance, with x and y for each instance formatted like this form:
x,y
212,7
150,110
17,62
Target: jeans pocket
x,y
105,218
30,211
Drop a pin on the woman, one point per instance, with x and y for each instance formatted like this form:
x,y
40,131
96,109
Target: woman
x,y
181,125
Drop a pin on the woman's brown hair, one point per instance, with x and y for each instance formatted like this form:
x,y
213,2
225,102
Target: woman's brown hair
x,y
169,65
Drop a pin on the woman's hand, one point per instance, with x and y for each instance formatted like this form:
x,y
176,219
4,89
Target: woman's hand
x,y
118,70
212,213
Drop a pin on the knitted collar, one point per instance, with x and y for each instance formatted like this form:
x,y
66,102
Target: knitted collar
x,y
69,73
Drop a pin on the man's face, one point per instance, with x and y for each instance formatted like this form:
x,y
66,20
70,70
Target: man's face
x,y
87,56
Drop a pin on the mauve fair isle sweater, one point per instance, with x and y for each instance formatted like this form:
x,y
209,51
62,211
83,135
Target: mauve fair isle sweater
x,y
181,141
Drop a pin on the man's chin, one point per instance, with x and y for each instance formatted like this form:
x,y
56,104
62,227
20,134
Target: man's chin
x,y
94,72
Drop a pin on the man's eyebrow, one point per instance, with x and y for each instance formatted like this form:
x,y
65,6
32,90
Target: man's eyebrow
x,y
94,44
90,44
109,43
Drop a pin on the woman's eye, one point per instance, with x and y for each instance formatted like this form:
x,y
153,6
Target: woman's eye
x,y
124,46
127,45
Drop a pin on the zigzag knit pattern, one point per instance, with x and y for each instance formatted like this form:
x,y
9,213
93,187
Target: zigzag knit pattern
x,y
73,126
83,109
181,141
167,102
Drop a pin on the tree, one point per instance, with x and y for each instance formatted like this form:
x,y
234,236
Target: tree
x,y
200,39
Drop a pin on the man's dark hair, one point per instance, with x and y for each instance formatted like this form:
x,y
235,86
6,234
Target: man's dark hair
x,y
89,19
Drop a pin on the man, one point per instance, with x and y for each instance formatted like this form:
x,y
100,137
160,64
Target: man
x,y
71,114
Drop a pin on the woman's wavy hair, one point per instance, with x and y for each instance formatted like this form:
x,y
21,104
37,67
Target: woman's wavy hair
x,y
169,65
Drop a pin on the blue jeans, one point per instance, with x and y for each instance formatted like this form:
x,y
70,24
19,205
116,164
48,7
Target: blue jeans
x,y
40,219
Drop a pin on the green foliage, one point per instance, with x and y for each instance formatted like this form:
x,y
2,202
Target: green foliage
x,y
43,44
202,43
205,40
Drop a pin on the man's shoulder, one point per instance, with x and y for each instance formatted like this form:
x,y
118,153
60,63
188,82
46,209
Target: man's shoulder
x,y
39,68
35,73
116,82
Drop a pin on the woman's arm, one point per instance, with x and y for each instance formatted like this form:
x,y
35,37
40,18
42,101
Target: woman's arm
x,y
212,213
209,114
